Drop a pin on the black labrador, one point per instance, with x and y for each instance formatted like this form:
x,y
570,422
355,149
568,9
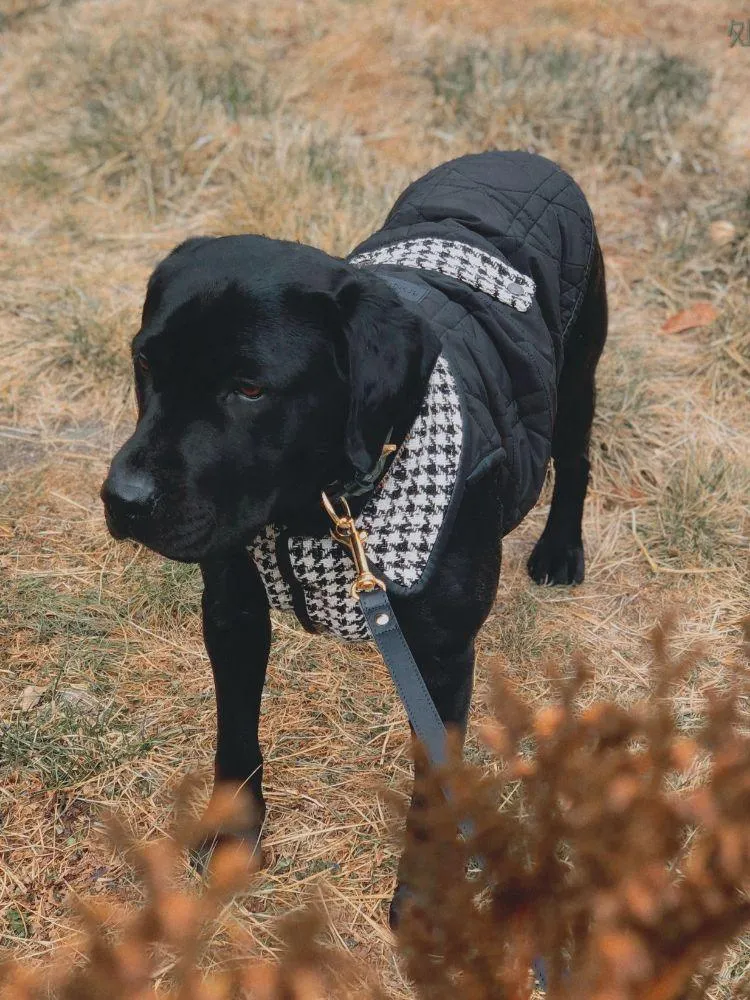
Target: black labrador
x,y
266,371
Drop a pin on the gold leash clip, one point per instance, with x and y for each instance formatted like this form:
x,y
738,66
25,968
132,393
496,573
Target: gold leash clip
x,y
345,531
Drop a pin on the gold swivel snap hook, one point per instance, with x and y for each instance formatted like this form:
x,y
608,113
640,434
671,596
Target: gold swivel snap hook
x,y
345,531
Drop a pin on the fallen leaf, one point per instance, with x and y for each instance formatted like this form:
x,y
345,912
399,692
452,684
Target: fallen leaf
x,y
31,697
77,698
700,314
722,232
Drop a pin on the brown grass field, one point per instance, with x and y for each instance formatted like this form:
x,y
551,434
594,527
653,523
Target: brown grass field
x,y
127,127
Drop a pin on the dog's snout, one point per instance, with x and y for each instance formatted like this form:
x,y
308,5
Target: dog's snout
x,y
129,496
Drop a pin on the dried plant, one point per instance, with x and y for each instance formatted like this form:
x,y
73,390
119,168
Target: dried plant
x,y
604,858
610,845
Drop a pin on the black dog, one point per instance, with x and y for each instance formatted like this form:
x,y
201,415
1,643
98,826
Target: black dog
x,y
466,332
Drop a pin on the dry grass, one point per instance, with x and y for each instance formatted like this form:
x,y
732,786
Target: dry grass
x,y
127,127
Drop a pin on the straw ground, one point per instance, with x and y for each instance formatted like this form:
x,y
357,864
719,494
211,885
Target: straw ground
x,y
127,127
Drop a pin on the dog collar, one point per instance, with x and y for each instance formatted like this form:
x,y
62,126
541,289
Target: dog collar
x,y
364,482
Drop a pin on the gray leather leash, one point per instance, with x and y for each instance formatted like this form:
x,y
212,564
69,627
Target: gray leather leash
x,y
386,631
412,690
394,649
370,591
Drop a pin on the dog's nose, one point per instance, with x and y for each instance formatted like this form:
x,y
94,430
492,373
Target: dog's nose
x,y
129,497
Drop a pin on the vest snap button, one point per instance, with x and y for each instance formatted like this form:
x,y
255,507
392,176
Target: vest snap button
x,y
382,619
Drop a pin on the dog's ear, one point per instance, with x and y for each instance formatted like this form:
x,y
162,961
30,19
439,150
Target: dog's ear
x,y
385,354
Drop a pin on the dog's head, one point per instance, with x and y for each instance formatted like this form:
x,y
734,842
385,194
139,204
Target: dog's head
x,y
264,370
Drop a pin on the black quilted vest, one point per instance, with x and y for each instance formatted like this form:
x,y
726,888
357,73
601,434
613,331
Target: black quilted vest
x,y
526,210
494,252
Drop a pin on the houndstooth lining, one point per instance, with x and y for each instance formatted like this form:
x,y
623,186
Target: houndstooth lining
x,y
466,263
402,520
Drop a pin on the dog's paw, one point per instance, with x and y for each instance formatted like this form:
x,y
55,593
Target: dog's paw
x,y
200,854
553,562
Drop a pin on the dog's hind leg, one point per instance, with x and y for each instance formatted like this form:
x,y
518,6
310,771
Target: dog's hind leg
x,y
558,555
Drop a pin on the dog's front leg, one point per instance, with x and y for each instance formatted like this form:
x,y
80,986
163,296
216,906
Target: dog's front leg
x,y
237,634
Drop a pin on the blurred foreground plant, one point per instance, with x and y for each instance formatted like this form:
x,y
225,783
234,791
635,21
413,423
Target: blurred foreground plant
x,y
597,849
609,843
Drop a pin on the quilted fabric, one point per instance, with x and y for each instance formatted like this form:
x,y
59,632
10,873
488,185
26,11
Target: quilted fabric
x,y
519,211
402,519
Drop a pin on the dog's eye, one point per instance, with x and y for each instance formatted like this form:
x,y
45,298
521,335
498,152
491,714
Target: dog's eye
x,y
142,364
249,390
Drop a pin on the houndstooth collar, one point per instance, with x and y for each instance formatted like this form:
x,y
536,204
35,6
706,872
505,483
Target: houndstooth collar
x,y
402,520
468,264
